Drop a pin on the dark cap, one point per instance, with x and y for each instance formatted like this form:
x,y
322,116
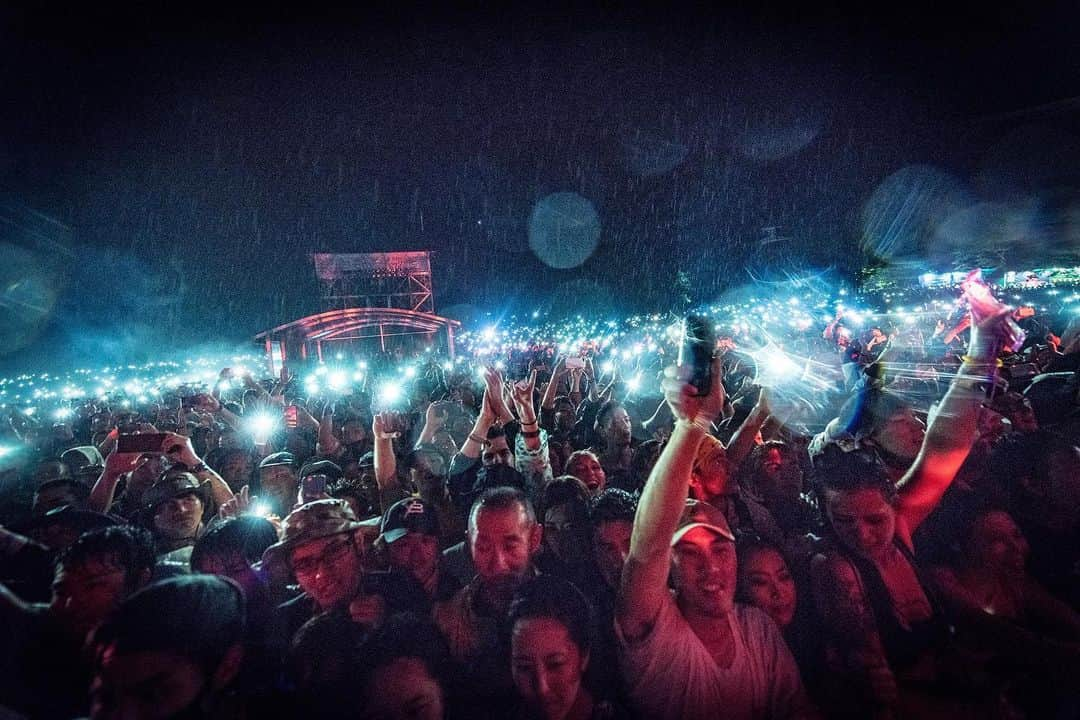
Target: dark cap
x,y
278,458
701,514
321,467
412,514
172,486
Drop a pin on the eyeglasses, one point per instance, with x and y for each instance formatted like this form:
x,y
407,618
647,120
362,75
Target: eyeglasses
x,y
331,554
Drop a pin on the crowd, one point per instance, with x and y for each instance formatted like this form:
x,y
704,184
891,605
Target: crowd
x,y
863,522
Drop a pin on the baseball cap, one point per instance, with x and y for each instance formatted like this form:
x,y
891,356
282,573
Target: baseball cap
x,y
412,514
321,467
278,458
701,514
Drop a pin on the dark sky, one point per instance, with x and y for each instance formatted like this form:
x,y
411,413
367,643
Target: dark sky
x,y
164,177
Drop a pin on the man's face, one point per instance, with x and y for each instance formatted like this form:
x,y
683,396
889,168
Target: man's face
x,y
862,520
179,518
415,553
231,565
782,475
611,543
329,569
502,542
703,566
498,452
84,594
236,471
149,684
279,485
617,428
902,434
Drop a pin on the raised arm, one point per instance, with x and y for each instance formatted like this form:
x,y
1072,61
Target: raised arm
x,y
385,461
745,437
178,448
951,433
104,490
644,578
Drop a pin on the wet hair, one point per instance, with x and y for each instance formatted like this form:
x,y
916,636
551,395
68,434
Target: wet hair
x,y
841,471
610,505
405,635
126,546
199,617
577,455
246,536
563,490
502,498
604,414
549,596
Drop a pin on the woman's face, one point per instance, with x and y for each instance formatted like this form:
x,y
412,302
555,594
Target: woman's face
x,y
766,581
547,666
588,470
405,690
862,520
563,532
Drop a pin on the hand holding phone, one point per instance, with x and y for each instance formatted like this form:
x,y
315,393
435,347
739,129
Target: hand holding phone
x,y
696,352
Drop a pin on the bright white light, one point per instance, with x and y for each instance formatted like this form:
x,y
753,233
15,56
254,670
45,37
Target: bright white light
x,y
262,424
321,370
5,450
362,364
29,411
608,367
358,376
500,365
410,372
340,356
389,393
337,380
488,334
311,385
448,365
62,413
634,384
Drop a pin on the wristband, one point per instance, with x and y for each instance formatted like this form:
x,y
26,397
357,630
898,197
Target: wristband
x,y
972,361
530,422
477,440
533,434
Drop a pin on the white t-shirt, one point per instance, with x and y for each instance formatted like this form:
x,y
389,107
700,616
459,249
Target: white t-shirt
x,y
670,674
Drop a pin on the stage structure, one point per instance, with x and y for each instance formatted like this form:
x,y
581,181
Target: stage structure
x,y
370,301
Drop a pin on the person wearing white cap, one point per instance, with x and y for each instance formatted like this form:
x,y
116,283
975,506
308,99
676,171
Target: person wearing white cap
x,y
695,653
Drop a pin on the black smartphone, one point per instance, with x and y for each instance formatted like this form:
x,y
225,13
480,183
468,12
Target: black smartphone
x,y
696,351
140,443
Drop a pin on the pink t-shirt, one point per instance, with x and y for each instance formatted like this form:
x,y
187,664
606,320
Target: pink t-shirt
x,y
670,674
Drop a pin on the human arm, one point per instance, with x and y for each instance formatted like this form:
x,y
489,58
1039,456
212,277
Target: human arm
x,y
385,461
327,444
951,433
104,490
745,437
434,421
178,449
551,390
645,574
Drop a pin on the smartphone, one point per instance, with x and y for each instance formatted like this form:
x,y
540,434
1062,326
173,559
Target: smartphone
x,y
290,416
140,443
696,352
575,363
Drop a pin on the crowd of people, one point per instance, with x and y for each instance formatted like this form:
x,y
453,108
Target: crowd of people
x,y
899,537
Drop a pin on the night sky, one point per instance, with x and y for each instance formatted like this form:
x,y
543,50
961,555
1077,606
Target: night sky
x,y
164,177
